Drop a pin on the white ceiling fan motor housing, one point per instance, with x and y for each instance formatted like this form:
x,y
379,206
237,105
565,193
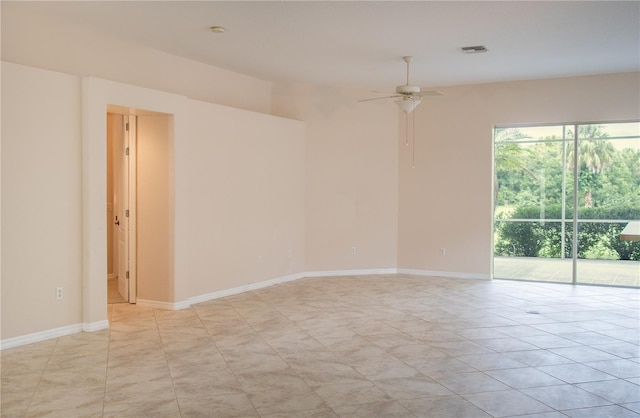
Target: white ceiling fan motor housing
x,y
407,89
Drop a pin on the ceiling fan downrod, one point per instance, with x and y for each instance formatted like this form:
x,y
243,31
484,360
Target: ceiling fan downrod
x,y
408,60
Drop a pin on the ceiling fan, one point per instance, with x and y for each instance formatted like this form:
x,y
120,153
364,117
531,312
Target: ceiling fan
x,y
408,96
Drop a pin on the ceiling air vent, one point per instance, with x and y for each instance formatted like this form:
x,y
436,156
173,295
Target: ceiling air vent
x,y
477,49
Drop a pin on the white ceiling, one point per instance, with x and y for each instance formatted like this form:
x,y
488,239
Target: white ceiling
x,y
340,43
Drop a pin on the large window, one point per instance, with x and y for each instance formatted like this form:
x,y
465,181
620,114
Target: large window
x,y
562,195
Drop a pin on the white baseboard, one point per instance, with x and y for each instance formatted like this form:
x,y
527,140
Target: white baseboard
x,y
174,306
156,304
99,325
246,288
40,336
52,333
325,273
278,280
341,273
447,274
95,326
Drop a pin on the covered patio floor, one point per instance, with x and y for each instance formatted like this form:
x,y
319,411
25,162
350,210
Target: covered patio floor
x,y
598,272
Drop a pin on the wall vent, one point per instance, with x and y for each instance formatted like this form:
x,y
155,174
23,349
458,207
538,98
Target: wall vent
x,y
477,49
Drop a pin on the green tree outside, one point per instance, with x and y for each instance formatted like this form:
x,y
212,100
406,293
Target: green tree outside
x,y
531,173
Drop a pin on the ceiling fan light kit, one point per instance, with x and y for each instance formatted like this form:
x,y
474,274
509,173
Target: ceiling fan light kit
x,y
407,104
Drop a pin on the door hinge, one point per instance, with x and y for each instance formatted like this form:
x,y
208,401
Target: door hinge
x,y
126,275
126,213
126,151
126,126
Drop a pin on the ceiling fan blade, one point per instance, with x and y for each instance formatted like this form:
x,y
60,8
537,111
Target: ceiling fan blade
x,y
429,93
380,98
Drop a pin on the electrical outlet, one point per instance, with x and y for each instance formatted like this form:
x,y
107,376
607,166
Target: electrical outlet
x,y
259,259
353,250
59,293
443,251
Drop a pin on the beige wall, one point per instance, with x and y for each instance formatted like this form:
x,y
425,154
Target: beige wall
x,y
41,200
249,185
79,49
351,179
446,200
240,199
154,208
238,184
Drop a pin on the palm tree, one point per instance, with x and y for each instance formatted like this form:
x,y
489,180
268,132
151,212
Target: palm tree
x,y
595,154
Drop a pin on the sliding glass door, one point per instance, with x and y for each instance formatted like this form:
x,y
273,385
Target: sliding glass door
x,y
562,195
608,198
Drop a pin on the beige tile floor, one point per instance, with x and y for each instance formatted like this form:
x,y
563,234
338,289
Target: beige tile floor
x,y
366,346
113,296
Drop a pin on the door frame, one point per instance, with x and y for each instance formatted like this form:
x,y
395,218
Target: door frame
x,y
97,95
131,133
570,139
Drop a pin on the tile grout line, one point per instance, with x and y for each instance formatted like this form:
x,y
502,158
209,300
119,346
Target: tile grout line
x,y
44,369
106,371
595,335
166,360
219,351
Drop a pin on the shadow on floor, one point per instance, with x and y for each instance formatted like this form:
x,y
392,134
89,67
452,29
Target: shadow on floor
x,y
112,292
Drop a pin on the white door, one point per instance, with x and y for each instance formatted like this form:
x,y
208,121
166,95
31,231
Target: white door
x,y
126,210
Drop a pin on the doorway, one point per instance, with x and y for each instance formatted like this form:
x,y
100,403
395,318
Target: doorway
x,y
140,194
99,97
